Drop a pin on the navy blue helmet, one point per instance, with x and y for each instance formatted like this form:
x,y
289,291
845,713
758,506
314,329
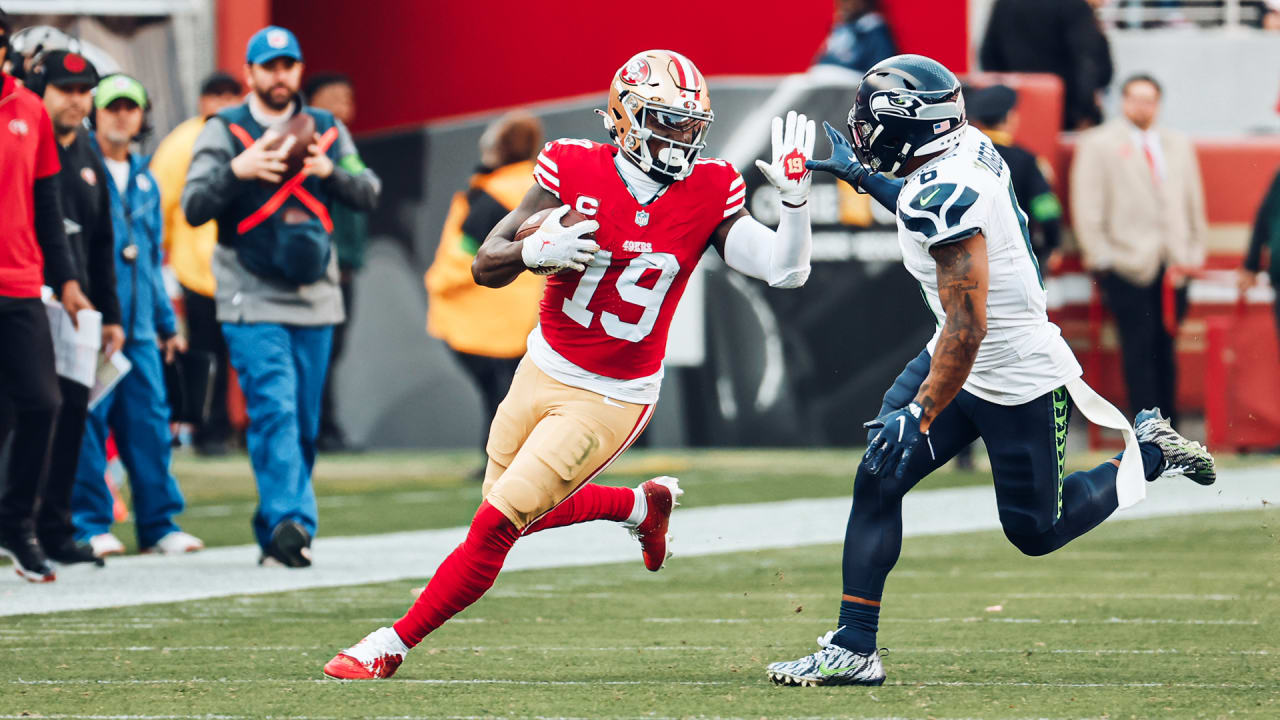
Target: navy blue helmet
x,y
907,106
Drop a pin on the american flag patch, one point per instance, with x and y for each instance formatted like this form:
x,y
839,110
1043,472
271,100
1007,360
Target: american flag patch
x,y
942,126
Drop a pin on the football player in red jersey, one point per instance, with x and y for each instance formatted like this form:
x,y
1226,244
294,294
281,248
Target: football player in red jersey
x,y
587,386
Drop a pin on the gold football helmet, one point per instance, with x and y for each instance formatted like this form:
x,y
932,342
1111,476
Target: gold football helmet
x,y
660,95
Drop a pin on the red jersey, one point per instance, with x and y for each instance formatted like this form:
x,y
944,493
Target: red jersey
x,y
28,152
612,319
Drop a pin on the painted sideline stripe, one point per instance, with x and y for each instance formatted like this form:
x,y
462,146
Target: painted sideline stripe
x,y
342,561
692,683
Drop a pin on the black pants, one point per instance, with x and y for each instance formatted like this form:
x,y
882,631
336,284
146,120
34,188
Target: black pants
x,y
1146,348
205,334
329,425
29,381
53,519
492,377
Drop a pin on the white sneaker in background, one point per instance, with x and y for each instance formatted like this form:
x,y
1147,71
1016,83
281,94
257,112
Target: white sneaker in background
x,y
176,543
106,544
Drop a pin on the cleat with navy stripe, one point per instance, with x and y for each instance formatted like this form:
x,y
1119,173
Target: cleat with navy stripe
x,y
830,665
661,494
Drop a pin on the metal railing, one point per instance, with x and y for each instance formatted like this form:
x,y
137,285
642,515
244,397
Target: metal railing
x,y
1147,14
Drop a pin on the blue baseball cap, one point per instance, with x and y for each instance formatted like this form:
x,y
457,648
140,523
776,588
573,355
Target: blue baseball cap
x,y
270,43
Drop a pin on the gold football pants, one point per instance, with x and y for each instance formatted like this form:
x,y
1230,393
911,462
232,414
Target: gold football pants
x,y
548,439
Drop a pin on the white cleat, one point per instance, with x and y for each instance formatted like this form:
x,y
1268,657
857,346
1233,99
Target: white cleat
x,y
830,665
376,657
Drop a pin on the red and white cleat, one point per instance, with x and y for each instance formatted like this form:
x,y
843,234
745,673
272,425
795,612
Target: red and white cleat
x,y
376,657
661,495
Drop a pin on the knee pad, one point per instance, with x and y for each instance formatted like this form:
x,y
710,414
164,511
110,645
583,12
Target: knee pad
x,y
527,492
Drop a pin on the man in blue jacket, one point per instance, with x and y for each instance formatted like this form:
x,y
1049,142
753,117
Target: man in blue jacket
x,y
137,410
277,296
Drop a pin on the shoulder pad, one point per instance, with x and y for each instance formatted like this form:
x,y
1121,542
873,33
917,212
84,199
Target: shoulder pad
x,y
936,207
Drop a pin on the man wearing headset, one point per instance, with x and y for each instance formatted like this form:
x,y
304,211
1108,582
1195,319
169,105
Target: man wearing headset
x,y
65,80
137,410
33,249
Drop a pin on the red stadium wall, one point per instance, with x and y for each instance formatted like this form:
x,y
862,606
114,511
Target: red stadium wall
x,y
414,62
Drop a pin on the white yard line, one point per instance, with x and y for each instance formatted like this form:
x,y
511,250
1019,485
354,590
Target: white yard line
x,y
525,649
218,572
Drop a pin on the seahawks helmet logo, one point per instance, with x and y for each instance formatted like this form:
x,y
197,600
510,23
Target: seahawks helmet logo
x,y
889,102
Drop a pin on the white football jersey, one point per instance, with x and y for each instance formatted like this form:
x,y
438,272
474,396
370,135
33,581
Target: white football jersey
x,y
955,196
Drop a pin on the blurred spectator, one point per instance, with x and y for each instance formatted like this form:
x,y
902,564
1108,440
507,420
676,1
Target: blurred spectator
x,y
486,328
66,81
136,411
1266,233
1271,15
333,92
1138,210
1062,37
191,252
277,277
993,111
860,37
33,249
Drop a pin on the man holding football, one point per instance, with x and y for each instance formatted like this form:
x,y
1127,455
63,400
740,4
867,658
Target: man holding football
x,y
587,386
277,291
996,368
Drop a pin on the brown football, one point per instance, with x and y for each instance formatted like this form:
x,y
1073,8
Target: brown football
x,y
534,221
302,129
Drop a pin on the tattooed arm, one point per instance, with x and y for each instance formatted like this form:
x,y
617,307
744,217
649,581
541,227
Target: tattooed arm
x,y
962,288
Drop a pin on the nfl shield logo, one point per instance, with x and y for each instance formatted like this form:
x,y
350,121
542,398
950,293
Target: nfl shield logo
x,y
642,218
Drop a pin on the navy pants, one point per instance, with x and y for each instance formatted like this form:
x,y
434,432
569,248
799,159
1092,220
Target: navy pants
x,y
1040,510
281,370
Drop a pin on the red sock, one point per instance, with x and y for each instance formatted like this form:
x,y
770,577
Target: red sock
x,y
592,502
463,577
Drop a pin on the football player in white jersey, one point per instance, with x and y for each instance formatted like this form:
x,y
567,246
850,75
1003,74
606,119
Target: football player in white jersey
x,y
996,368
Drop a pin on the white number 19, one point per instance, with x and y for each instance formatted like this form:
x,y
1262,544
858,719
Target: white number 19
x,y
628,289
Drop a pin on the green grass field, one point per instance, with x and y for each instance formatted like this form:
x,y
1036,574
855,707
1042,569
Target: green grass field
x,y
1165,618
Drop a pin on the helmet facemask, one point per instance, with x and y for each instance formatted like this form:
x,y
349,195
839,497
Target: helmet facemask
x,y
679,134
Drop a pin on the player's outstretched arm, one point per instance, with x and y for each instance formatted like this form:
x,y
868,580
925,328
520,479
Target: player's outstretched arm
x,y
780,258
845,166
499,259
962,288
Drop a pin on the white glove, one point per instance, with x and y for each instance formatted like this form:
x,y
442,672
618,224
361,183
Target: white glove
x,y
791,147
553,248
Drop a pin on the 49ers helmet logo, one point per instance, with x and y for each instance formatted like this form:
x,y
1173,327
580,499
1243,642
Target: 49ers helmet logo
x,y
635,71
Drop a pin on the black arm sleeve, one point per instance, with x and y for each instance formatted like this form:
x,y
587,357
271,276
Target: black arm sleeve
x,y
1262,227
210,185
1046,212
356,190
483,215
101,258
59,266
